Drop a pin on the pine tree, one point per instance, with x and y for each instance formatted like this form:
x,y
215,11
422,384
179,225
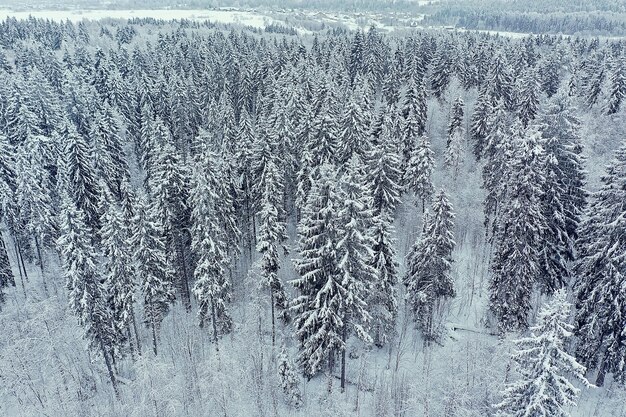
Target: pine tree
x,y
520,226
418,176
212,287
543,389
272,235
289,380
153,268
428,279
600,298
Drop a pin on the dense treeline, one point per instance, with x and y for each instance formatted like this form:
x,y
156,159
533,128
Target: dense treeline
x,y
157,158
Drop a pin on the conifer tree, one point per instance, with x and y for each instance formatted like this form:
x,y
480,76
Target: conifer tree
x,y
543,389
79,179
617,92
428,279
414,113
85,285
169,191
383,176
118,271
272,235
153,268
212,288
383,300
289,380
519,229
418,176
6,273
479,128
354,133
330,305
528,97
455,138
599,271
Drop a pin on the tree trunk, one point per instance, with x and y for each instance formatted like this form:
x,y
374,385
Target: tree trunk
x,y
273,318
154,336
20,258
601,373
132,315
214,320
43,279
343,359
107,361
19,268
185,272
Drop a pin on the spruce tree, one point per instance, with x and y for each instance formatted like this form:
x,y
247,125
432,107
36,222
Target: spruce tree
x,y
528,97
418,176
543,389
384,176
153,268
428,279
289,380
85,285
519,229
272,235
212,288
383,300
617,91
599,271
6,273
118,271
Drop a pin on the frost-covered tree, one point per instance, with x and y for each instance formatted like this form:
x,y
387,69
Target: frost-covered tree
x,y
456,133
428,281
383,175
600,276
212,288
617,91
330,305
118,271
414,113
78,176
383,299
169,192
418,176
519,229
354,128
543,388
272,235
479,127
289,380
153,268
6,274
528,97
85,285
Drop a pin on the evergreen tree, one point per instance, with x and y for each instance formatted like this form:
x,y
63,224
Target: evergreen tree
x,y
428,279
169,191
289,380
618,85
153,268
418,176
79,179
6,273
600,299
272,235
528,97
384,176
85,285
456,132
118,271
517,261
330,304
212,287
479,128
414,113
355,127
383,300
543,389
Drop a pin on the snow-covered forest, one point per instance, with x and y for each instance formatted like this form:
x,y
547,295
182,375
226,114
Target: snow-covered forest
x,y
208,220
